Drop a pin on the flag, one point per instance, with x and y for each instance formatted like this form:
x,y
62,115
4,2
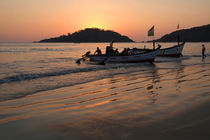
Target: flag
x,y
151,31
178,26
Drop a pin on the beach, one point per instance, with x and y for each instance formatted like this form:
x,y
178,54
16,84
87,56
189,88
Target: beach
x,y
44,94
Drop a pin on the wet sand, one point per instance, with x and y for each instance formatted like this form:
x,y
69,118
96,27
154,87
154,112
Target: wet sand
x,y
189,123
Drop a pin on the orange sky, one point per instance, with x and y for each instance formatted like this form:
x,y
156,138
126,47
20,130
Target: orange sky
x,y
33,20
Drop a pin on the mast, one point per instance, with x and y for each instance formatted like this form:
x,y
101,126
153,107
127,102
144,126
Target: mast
x,y
178,34
153,42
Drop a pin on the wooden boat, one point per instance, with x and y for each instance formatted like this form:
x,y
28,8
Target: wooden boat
x,y
175,51
146,56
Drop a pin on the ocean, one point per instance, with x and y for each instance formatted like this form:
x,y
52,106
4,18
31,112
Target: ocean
x,y
44,94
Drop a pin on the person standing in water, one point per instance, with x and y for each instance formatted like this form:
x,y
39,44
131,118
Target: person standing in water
x,y
203,51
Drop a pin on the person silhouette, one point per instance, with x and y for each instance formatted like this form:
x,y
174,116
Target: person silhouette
x,y
98,51
203,51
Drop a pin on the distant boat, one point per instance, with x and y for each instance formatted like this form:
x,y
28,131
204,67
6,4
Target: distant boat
x,y
145,56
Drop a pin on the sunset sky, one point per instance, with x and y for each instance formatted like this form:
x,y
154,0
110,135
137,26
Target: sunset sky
x,y
33,20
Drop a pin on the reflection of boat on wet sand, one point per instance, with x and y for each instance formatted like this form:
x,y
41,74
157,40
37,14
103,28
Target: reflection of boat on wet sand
x,y
138,56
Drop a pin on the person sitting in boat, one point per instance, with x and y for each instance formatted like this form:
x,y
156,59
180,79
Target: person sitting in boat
x,y
116,52
108,50
98,51
124,52
112,51
128,51
133,51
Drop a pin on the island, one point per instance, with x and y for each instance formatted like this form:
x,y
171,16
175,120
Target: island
x,y
195,34
90,35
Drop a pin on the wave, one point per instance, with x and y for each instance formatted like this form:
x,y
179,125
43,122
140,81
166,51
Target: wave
x,y
23,77
45,49
91,68
196,55
68,78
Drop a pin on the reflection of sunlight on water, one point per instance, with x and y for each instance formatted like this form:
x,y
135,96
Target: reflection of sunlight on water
x,y
14,118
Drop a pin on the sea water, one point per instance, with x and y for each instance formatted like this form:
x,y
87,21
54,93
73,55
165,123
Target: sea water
x,y
44,94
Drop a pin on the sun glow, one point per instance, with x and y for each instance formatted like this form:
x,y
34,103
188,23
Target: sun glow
x,y
95,24
33,20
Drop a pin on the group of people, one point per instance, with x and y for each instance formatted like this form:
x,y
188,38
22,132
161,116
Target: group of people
x,y
128,51
111,51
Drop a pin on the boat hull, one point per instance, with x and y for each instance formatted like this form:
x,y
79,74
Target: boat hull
x,y
142,57
175,51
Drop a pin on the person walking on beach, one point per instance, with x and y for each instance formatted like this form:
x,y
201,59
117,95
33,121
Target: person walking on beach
x,y
203,51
